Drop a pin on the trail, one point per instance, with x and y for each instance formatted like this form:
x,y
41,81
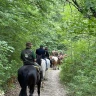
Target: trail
x,y
52,86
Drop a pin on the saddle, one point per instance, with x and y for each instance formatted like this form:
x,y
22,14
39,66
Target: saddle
x,y
38,72
37,68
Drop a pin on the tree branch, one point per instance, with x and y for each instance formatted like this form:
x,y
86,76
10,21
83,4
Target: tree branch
x,y
93,11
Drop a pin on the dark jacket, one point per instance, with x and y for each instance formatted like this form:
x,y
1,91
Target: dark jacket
x,y
27,56
40,53
46,53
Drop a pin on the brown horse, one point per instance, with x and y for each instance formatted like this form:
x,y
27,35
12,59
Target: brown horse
x,y
55,61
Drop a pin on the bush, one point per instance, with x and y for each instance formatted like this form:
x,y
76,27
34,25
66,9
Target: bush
x,y
79,70
5,65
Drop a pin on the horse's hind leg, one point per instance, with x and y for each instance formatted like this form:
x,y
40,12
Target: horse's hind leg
x,y
31,90
23,92
38,89
58,67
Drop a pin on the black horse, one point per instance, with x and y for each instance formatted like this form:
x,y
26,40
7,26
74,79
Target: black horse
x,y
29,76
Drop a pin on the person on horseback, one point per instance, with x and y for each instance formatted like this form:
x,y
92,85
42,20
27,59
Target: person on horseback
x,y
27,55
46,52
40,53
29,58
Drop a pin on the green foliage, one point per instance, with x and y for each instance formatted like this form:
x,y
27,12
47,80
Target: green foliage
x,y
84,81
78,71
5,65
60,27
86,7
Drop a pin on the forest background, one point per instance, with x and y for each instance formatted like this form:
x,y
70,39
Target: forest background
x,y
65,25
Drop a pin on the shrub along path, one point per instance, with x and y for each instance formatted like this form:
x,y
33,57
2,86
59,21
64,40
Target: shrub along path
x,y
52,87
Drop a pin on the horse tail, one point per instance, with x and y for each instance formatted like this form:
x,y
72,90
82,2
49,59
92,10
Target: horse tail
x,y
27,75
32,78
21,78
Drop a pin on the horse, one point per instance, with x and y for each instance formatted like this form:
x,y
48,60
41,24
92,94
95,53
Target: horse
x,y
29,76
55,61
45,65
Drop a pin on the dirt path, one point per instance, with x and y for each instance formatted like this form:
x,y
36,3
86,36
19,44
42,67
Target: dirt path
x,y
52,86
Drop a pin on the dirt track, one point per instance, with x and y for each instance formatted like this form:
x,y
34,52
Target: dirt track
x,y
52,86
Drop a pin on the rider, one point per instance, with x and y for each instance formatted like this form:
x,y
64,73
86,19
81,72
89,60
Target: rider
x,y
27,55
29,58
46,53
40,53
